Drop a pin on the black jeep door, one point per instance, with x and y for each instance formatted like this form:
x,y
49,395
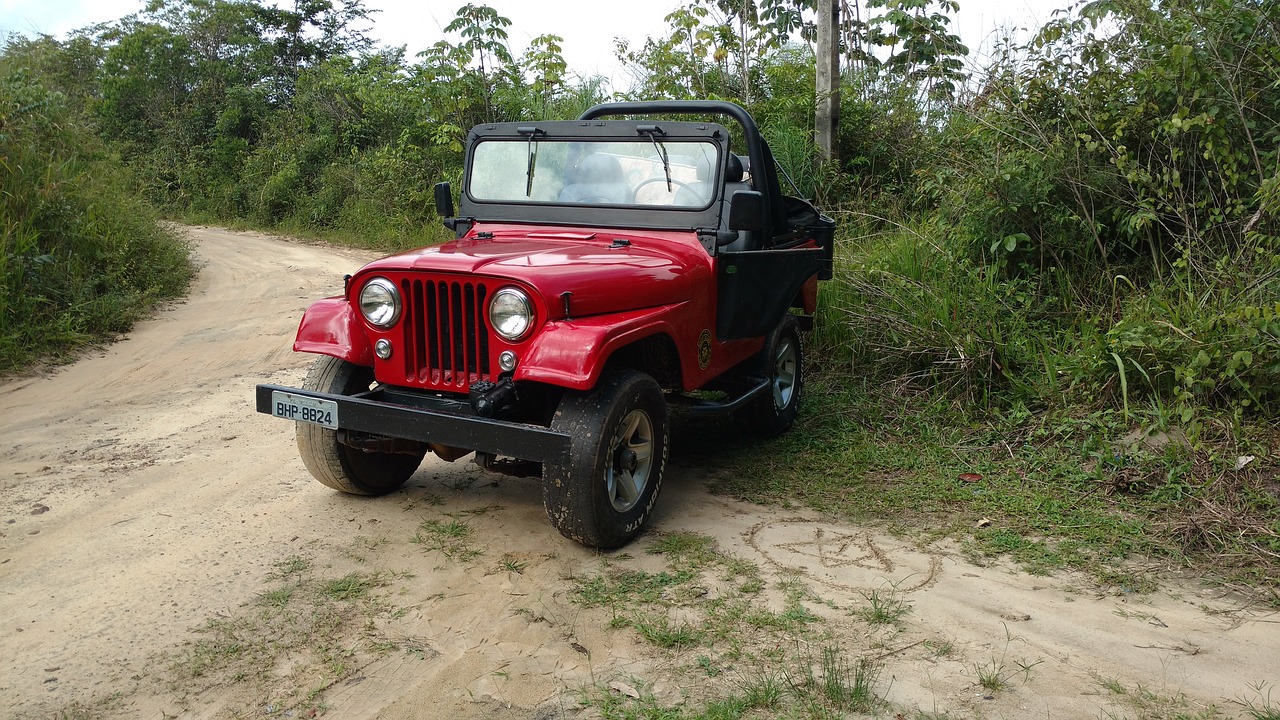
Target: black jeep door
x,y
755,288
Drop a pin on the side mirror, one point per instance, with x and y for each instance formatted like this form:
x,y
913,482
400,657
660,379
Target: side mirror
x,y
746,211
444,201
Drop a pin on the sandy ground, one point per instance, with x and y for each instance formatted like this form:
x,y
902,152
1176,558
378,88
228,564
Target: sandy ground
x,y
143,497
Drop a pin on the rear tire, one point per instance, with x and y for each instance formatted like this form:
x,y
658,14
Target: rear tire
x,y
602,496
782,362
339,466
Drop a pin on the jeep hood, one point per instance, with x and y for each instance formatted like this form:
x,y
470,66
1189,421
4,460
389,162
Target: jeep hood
x,y
605,271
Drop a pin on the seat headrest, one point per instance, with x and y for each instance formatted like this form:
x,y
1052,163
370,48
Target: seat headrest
x,y
733,169
600,168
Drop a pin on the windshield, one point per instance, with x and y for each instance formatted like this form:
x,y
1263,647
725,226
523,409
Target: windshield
x,y
643,173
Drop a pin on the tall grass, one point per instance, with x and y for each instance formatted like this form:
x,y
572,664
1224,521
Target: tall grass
x,y
907,309
912,307
81,257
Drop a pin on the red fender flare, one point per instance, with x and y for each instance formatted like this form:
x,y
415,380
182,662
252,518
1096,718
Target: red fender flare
x,y
572,353
332,327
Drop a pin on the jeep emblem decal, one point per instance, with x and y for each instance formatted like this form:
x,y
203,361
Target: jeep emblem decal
x,y
704,349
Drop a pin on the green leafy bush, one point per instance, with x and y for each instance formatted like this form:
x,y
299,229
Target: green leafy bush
x,y
81,257
1104,220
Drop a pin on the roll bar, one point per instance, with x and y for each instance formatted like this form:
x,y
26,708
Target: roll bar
x,y
755,147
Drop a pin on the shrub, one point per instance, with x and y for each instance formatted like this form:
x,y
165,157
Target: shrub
x,y
81,256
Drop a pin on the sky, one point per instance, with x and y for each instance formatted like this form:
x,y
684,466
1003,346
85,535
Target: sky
x,y
587,26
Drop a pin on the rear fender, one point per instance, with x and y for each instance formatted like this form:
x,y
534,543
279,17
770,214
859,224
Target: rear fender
x,y
809,296
572,353
332,327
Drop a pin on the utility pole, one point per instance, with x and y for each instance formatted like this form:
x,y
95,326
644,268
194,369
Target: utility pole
x,y
827,115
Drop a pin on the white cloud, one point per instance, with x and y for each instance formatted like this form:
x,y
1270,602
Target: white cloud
x,y
59,17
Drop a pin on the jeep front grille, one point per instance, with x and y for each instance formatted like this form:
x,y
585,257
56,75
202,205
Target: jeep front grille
x,y
445,333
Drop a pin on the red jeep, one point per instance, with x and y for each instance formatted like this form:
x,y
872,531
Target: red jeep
x,y
602,269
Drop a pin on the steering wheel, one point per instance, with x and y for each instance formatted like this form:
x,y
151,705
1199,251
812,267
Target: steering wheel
x,y
676,185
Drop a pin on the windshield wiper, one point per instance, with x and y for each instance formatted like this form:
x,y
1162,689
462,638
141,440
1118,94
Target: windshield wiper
x,y
532,156
653,131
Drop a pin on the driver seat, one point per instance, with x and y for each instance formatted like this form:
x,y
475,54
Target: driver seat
x,y
600,180
733,175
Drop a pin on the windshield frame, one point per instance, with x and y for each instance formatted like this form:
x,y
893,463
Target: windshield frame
x,y
481,204
651,173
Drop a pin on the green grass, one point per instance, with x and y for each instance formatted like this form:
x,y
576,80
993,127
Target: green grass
x,y
277,597
620,588
837,686
302,635
883,608
509,563
353,586
998,671
294,565
1148,704
1058,490
452,538
757,651
991,675
1259,705
940,648
661,632
827,686
684,548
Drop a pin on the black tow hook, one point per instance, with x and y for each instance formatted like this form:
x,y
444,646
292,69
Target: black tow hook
x,y
491,399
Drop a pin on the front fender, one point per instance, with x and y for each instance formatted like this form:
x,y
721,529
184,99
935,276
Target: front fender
x,y
572,353
332,327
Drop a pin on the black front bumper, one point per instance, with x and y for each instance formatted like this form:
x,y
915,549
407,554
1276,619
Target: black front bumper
x,y
435,420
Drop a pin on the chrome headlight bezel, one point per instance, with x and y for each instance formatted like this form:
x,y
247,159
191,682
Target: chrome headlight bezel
x,y
511,314
380,303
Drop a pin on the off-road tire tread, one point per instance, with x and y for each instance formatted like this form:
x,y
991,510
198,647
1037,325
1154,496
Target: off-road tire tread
x,y
340,467
575,494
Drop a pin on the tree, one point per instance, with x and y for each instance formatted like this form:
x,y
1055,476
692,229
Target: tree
x,y
312,32
484,42
921,50
827,116
543,58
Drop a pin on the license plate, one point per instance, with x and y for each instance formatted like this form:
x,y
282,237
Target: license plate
x,y
304,409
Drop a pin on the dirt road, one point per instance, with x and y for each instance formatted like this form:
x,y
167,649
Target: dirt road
x,y
161,546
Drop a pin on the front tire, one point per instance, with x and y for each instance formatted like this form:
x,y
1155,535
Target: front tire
x,y
782,362
339,466
602,496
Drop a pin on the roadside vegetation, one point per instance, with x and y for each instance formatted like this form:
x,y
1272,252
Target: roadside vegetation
x,y
1054,328
82,256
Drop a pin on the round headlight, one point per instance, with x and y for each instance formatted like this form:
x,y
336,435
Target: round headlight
x,y
380,302
511,313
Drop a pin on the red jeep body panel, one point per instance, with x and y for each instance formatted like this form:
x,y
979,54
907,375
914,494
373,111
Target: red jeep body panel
x,y
569,352
332,326
655,268
626,285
